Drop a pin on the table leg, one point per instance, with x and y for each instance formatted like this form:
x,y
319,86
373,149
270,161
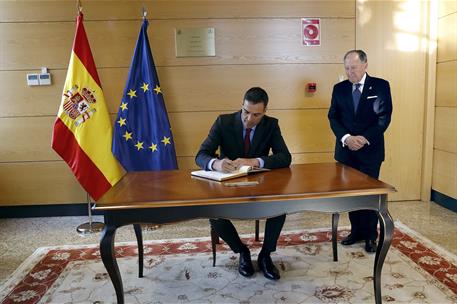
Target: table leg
x,y
385,239
109,260
335,218
139,240
214,241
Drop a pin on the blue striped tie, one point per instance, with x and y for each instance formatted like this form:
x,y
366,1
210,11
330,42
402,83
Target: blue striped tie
x,y
356,96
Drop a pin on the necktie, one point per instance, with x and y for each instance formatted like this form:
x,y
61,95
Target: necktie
x,y
356,96
247,141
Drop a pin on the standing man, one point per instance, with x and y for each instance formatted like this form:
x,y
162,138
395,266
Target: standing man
x,y
246,138
359,114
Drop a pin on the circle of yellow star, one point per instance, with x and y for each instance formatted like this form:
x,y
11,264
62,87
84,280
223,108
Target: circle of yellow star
x,y
121,121
166,141
124,106
127,135
153,147
145,87
139,145
157,89
131,93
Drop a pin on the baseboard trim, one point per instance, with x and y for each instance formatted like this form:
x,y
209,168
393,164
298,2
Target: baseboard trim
x,y
44,211
444,200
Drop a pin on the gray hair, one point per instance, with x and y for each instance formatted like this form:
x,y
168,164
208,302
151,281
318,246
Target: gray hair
x,y
362,55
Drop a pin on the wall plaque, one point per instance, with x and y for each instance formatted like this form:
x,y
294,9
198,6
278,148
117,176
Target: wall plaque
x,y
195,42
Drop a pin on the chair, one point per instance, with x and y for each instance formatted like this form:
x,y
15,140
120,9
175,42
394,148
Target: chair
x,y
335,219
215,240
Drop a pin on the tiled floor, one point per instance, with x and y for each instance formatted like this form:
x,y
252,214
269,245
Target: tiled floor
x,y
20,237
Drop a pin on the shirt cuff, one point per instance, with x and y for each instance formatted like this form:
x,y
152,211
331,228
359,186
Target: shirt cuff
x,y
343,139
209,167
261,162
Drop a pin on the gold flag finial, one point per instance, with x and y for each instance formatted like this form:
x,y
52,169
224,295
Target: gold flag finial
x,y
79,6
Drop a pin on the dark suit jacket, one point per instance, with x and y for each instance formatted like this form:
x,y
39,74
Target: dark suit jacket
x,y
227,133
371,120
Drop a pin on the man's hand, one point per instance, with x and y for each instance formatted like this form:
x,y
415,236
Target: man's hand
x,y
224,165
355,143
253,162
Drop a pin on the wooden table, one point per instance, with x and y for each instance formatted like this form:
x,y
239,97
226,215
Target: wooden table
x,y
170,196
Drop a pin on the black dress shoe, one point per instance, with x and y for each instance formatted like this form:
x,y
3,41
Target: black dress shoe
x,y
268,268
350,240
370,246
245,267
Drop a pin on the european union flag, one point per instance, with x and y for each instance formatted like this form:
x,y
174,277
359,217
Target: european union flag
x,y
142,138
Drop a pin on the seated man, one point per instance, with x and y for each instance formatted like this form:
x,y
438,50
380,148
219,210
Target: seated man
x,y
246,138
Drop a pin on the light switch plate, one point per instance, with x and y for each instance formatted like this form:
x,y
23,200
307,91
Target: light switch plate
x,y
45,79
32,80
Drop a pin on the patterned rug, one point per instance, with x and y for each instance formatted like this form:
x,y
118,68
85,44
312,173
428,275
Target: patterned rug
x,y
180,271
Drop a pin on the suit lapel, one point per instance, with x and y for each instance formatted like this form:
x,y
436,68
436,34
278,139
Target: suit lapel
x,y
238,129
348,92
366,88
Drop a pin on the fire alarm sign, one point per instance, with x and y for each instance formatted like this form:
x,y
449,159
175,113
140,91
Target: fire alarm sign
x,y
311,31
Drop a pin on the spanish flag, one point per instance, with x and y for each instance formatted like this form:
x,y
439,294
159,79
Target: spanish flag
x,y
82,132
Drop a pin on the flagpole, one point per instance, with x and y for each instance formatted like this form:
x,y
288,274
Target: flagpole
x,y
89,147
90,226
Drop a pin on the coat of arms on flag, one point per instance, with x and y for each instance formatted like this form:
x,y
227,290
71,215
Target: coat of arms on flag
x,y
76,104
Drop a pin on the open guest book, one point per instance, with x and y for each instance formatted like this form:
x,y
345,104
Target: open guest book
x,y
221,176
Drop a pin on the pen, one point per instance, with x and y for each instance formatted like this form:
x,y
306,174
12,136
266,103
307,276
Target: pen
x,y
236,184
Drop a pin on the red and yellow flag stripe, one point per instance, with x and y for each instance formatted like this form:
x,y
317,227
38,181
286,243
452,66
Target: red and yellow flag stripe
x,y
82,133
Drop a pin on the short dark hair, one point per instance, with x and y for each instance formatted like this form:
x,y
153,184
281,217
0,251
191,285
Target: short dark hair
x,y
362,55
256,95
